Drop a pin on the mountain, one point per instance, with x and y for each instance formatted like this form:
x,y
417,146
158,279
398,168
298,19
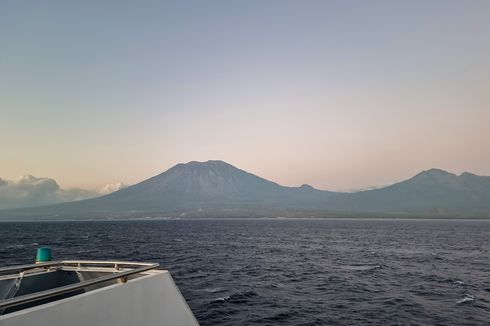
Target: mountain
x,y
216,188
211,185
431,192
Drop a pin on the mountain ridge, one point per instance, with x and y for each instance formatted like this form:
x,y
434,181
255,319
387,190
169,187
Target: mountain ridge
x,y
219,188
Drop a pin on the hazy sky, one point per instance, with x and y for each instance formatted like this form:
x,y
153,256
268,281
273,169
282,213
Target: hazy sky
x,y
337,94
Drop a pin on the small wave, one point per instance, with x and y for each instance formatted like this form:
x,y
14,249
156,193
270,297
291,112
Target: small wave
x,y
361,267
214,290
15,246
280,317
223,299
466,298
236,298
458,282
242,297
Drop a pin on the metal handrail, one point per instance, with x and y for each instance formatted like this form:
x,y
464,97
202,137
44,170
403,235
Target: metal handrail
x,y
77,286
104,262
22,268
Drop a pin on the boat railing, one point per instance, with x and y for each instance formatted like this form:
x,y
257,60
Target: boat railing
x,y
23,268
121,272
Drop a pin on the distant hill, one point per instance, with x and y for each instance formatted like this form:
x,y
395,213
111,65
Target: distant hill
x,y
216,188
431,192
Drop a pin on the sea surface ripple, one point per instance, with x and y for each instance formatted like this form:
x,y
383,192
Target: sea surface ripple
x,y
293,272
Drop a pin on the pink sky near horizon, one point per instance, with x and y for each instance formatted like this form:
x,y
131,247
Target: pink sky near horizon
x,y
333,94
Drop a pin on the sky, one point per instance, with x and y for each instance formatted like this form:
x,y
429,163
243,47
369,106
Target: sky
x,y
337,94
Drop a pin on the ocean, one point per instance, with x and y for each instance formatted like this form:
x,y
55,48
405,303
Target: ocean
x,y
293,272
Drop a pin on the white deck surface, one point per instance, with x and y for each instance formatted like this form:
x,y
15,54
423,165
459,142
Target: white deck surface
x,y
152,299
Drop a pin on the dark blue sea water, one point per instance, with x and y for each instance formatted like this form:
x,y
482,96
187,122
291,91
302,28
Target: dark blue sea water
x,y
293,272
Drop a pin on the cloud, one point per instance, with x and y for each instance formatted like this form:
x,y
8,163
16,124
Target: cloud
x,y
73,194
111,187
29,191
362,188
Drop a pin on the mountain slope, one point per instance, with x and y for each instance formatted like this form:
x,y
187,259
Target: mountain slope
x,y
194,186
216,188
429,192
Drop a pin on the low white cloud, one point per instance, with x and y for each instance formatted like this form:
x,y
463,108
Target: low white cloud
x,y
111,187
76,194
352,190
29,191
